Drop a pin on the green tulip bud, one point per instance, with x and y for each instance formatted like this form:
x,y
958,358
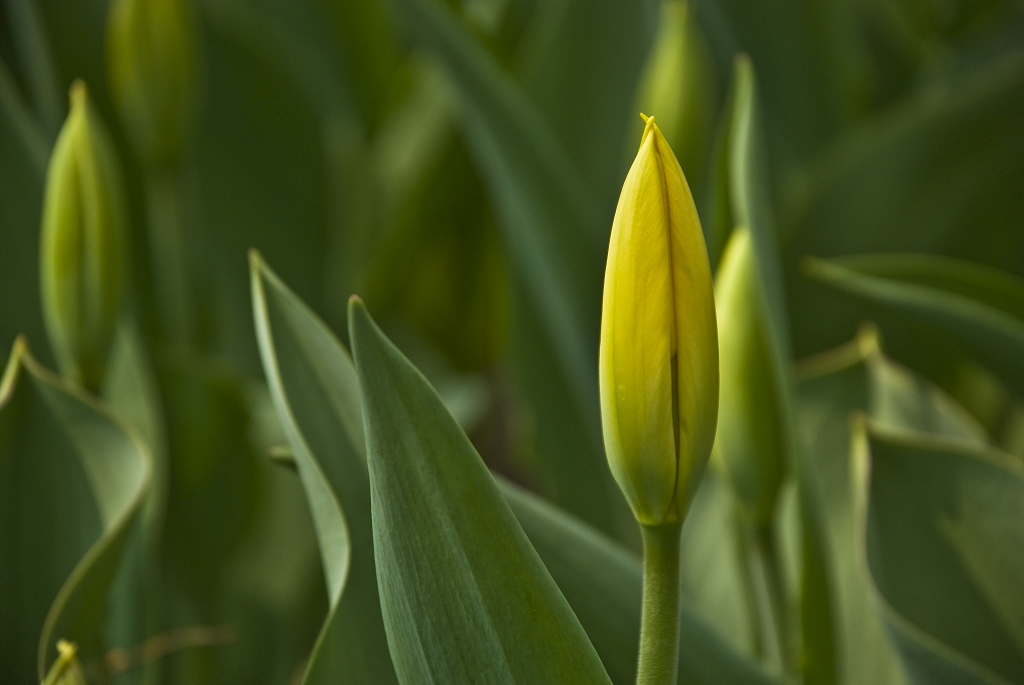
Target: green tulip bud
x,y
84,218
659,340
678,85
151,62
748,441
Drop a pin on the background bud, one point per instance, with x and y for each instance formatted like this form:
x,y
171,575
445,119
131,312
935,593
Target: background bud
x,y
659,347
84,218
678,84
748,440
151,63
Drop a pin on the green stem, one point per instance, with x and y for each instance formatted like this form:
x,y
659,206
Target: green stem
x,y
659,622
168,256
764,542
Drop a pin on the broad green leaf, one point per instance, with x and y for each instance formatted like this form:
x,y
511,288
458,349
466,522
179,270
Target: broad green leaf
x,y
600,580
464,594
73,480
857,377
554,235
316,396
603,584
943,528
982,307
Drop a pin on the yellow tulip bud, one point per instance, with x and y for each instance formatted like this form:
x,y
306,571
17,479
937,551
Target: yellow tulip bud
x,y
84,218
151,62
749,441
659,339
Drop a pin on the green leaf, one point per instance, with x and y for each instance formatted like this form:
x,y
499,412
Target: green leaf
x,y
802,52
857,377
582,70
24,151
316,395
73,480
319,401
982,307
937,172
923,174
751,206
555,238
603,584
716,565
464,595
257,172
943,528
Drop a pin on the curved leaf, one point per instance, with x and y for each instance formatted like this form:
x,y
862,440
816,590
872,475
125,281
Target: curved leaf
x,y
72,481
464,595
857,377
983,307
942,526
316,395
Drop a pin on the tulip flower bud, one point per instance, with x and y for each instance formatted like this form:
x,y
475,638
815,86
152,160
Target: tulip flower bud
x,y
84,218
659,340
151,62
748,440
677,83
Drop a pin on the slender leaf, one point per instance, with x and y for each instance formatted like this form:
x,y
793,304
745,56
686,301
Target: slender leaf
x,y
582,67
24,151
982,307
554,233
316,396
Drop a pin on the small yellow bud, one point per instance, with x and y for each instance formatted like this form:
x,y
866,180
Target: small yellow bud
x,y
84,217
748,439
66,670
659,340
151,62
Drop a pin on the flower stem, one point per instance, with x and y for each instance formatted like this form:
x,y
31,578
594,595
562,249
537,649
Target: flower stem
x,y
168,255
659,622
764,544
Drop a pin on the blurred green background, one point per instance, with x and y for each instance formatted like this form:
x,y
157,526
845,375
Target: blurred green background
x,y
457,163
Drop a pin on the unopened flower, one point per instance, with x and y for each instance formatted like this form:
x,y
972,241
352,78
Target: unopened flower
x,y
83,227
152,51
749,441
659,339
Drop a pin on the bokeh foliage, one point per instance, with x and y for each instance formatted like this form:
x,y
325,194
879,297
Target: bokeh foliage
x,y
457,163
